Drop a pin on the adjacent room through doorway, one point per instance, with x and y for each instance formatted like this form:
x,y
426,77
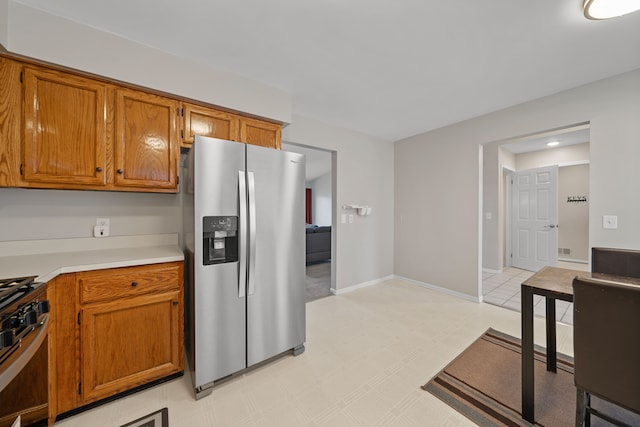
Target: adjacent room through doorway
x,y
318,220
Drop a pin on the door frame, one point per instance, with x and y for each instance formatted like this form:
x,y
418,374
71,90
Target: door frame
x,y
507,174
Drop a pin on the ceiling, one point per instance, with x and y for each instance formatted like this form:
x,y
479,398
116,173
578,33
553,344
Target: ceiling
x,y
389,69
572,136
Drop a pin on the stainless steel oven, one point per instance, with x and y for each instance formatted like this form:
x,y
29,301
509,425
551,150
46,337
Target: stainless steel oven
x,y
24,323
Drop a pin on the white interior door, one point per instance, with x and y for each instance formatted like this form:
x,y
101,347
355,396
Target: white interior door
x,y
534,218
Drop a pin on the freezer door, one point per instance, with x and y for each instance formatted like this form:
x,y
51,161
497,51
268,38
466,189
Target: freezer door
x,y
276,289
219,307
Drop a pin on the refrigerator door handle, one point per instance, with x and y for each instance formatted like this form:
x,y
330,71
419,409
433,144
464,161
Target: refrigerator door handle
x,y
252,232
242,264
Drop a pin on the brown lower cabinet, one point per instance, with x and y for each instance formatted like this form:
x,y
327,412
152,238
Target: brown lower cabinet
x,y
113,330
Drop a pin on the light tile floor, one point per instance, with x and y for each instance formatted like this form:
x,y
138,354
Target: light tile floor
x,y
367,354
503,289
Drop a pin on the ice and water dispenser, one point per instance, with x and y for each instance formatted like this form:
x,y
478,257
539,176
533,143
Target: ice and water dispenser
x,y
220,239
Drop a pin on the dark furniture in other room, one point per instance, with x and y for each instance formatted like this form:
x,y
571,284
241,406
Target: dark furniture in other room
x,y
318,242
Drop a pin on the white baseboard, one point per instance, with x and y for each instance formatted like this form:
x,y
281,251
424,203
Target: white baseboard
x,y
577,261
360,285
488,270
440,289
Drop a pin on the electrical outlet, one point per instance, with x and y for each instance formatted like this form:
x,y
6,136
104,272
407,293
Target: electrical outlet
x,y
350,218
101,229
103,222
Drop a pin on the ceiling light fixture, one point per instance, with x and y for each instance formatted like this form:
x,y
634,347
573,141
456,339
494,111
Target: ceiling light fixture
x,y
553,144
605,9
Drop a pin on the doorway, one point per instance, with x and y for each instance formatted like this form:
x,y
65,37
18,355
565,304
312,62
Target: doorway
x,y
500,280
319,184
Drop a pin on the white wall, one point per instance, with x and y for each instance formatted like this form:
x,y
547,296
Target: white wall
x,y
437,173
321,199
491,230
44,36
4,22
363,174
573,218
27,214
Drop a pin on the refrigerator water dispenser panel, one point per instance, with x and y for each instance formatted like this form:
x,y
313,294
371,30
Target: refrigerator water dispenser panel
x,y
220,239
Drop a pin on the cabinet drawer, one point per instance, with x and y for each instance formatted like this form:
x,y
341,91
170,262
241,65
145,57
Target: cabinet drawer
x,y
104,285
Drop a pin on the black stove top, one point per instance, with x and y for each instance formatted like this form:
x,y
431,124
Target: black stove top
x,y
16,288
23,321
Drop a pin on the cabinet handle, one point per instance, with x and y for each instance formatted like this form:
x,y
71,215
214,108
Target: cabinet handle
x,y
120,171
176,303
134,284
98,169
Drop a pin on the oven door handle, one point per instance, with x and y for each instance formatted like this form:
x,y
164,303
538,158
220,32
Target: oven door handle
x,y
26,354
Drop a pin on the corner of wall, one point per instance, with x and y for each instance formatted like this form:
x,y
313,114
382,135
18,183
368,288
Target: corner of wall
x,y
4,23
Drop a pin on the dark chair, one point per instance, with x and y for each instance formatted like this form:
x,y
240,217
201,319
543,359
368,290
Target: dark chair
x,y
621,262
606,339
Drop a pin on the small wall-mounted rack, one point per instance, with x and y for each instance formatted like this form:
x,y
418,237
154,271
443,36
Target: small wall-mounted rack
x,y
361,210
577,199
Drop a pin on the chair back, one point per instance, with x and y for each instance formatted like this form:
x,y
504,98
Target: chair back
x,y
621,262
606,338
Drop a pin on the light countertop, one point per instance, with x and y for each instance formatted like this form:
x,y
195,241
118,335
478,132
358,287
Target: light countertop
x,y
47,259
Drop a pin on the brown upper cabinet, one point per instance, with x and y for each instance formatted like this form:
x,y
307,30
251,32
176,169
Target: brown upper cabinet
x,y
65,128
147,146
80,133
258,132
205,121
208,122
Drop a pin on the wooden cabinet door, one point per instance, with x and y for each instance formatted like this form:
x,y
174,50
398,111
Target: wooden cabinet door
x,y
147,146
65,128
129,342
261,133
208,122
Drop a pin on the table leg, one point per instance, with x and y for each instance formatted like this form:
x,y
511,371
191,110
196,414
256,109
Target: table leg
x,y
527,354
551,334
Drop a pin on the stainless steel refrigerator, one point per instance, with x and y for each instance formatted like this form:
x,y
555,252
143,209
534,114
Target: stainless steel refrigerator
x,y
244,246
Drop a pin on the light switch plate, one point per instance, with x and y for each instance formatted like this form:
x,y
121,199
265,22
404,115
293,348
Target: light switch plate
x,y
610,221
